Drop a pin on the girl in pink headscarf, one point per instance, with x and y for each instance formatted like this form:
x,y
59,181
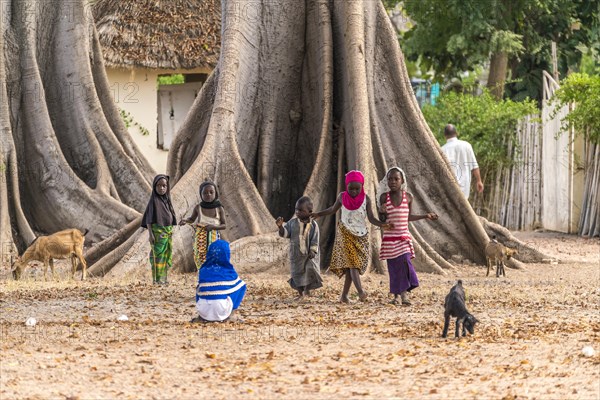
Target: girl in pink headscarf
x,y
351,248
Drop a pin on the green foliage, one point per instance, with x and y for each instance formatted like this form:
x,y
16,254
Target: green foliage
x,y
454,36
590,63
175,79
584,91
482,121
389,4
129,121
573,25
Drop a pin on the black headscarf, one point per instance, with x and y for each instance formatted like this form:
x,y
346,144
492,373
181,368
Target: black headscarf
x,y
159,209
213,204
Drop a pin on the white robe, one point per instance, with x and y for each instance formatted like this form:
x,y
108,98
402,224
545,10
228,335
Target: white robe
x,y
214,310
462,161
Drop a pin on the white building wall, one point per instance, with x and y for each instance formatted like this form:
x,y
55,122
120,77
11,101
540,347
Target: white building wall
x,y
174,103
562,177
135,91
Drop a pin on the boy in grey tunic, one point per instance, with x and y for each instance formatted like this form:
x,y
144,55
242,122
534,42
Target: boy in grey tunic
x,y
304,248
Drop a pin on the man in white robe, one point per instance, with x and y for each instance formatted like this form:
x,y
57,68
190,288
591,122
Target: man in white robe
x,y
462,160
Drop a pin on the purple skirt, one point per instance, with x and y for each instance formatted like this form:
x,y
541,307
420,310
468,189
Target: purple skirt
x,y
403,277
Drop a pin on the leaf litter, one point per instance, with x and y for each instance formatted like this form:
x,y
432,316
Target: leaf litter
x,y
534,325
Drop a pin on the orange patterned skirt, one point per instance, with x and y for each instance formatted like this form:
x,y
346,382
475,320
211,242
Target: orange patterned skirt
x,y
203,239
349,251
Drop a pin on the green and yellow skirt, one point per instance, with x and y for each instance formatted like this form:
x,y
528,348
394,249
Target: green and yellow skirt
x,y
161,253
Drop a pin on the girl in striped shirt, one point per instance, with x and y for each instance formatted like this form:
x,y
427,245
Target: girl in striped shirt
x,y
396,245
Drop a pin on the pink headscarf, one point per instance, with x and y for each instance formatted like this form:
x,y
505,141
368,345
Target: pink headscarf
x,y
353,203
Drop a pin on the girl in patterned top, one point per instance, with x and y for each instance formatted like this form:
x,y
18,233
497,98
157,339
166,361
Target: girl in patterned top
x,y
351,248
396,246
208,218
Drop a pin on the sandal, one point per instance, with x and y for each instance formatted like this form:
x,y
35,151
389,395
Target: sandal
x,y
404,298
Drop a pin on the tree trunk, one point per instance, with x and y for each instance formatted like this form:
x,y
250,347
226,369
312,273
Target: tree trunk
x,y
66,159
303,92
498,70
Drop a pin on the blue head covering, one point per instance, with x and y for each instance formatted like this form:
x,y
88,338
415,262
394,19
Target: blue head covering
x,y
217,278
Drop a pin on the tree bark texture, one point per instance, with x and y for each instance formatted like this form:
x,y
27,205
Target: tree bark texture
x,y
66,158
304,91
497,76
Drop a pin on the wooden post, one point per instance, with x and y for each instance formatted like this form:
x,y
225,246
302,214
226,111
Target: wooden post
x,y
554,62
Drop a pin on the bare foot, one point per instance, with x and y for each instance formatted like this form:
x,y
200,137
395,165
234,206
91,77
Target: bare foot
x,y
345,300
306,293
394,302
363,296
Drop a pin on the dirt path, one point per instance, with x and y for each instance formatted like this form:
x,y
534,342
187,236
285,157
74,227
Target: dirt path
x,y
534,325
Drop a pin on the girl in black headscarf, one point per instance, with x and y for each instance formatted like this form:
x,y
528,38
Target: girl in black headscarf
x,y
159,218
208,218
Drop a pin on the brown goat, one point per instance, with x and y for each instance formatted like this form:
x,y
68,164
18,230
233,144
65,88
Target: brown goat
x,y
59,245
497,253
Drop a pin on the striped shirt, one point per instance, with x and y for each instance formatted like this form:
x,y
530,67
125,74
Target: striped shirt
x,y
396,241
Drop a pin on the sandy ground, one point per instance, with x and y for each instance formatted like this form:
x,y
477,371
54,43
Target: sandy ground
x,y
534,325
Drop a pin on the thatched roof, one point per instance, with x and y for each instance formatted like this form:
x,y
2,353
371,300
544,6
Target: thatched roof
x,y
164,34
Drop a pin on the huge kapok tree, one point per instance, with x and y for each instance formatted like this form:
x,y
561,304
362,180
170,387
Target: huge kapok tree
x,y
303,92
66,158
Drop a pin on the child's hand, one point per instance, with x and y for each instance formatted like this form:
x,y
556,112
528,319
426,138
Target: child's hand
x,y
387,226
432,216
183,222
209,227
311,254
314,215
279,222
